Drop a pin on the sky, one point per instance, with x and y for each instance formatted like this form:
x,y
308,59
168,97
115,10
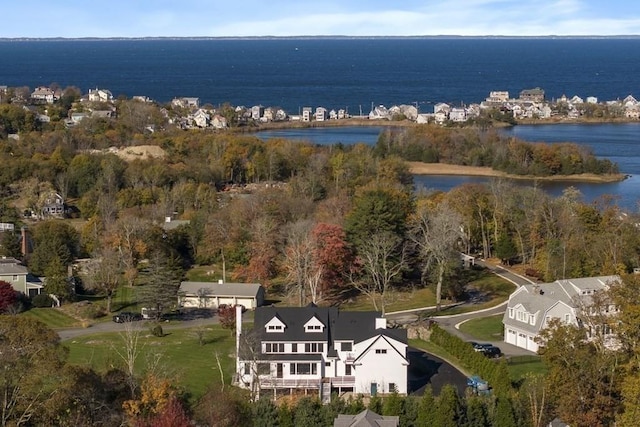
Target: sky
x,y
224,18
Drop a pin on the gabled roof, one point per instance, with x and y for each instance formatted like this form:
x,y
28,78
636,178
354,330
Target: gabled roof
x,y
366,418
220,289
380,337
540,298
356,326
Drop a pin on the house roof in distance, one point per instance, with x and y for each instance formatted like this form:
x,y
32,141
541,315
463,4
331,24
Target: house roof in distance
x,y
366,418
218,289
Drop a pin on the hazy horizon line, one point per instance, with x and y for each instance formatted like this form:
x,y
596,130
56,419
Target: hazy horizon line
x,y
311,37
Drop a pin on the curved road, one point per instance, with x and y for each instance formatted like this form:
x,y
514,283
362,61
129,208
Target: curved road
x,y
451,322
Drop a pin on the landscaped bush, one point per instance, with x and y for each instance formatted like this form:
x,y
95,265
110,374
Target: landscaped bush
x,y
496,373
41,301
92,311
156,330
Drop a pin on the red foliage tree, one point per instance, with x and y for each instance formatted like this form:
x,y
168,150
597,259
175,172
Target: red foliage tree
x,y
172,414
8,296
227,317
333,253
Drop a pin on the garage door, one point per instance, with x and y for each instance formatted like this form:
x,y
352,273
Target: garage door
x,y
522,340
511,337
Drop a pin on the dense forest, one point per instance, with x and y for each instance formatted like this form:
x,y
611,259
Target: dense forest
x,y
310,222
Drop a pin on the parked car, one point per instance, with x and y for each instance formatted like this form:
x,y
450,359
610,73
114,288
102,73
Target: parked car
x,y
480,347
126,316
492,351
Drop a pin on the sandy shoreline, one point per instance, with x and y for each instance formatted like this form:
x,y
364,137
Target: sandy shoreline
x,y
419,168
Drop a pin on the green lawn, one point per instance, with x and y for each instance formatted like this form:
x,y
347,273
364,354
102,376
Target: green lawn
x,y
519,366
193,366
52,317
494,289
205,273
484,328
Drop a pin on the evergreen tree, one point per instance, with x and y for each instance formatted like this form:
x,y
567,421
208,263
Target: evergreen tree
x,y
477,412
393,405
426,408
56,281
265,413
161,281
503,415
450,411
409,414
307,413
375,404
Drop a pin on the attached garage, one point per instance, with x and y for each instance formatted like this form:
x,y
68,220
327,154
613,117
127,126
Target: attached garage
x,y
511,337
214,294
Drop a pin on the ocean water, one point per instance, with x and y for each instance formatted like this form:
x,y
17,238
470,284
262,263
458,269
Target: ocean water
x,y
335,73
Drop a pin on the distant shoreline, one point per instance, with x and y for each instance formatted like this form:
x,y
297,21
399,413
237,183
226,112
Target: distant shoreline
x,y
330,37
420,168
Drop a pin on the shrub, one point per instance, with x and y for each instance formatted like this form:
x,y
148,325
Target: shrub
x,y
156,330
92,311
42,300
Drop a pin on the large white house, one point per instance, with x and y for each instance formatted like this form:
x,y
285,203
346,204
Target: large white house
x,y
321,350
531,307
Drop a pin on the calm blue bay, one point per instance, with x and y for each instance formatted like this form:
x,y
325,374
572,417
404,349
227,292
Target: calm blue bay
x,y
354,74
618,142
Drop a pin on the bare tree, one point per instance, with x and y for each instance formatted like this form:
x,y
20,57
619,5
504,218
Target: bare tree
x,y
436,231
298,257
129,352
382,260
104,274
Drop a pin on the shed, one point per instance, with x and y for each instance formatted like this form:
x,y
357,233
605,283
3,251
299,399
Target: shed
x,y
213,294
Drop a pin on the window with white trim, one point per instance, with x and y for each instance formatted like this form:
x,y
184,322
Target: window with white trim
x,y
313,347
303,369
275,328
381,351
274,347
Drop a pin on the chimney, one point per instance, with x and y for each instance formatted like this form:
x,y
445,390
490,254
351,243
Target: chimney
x,y
24,247
381,323
238,334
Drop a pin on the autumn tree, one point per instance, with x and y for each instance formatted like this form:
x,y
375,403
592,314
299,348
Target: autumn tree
x,y
436,231
380,263
104,274
29,367
583,381
8,296
128,238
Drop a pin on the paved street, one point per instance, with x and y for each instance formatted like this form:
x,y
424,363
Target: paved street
x,y
204,318
450,322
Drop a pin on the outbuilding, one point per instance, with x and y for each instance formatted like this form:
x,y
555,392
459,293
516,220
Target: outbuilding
x,y
214,294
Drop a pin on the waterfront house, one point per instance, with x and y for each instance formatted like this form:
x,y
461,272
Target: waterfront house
x,y
531,308
257,111
100,95
306,114
321,350
379,113
458,114
320,114
219,122
201,118
533,95
44,94
498,97
186,102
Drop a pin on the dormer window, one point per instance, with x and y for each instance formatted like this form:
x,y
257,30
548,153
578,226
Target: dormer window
x,y
314,325
275,325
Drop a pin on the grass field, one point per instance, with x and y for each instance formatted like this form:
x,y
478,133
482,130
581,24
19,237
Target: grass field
x,y
52,317
519,366
193,366
484,328
494,290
